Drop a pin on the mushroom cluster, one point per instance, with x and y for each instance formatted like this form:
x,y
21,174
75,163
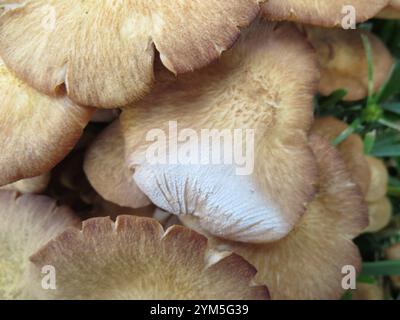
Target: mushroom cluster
x,y
170,149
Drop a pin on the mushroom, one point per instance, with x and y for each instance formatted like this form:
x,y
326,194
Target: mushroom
x,y
392,11
344,63
369,173
351,149
308,263
368,291
380,214
379,179
321,12
36,131
256,102
106,169
393,253
104,53
32,185
134,258
27,223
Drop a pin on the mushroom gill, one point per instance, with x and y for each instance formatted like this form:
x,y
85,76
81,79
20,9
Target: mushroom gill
x,y
308,263
257,103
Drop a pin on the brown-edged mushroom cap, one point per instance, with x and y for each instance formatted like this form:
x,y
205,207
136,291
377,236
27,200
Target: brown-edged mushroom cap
x,y
344,63
379,179
104,52
326,13
308,263
380,214
351,150
36,131
135,259
27,223
32,185
253,102
108,172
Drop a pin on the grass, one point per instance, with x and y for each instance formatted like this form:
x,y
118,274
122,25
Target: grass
x,y
377,121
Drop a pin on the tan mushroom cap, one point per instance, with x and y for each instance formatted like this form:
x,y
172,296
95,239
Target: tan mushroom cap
x,y
27,223
393,253
107,171
36,131
379,179
380,214
254,88
351,150
141,261
328,13
368,291
344,63
104,52
32,185
392,11
308,263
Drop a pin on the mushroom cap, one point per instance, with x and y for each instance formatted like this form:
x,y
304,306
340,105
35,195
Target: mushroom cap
x,y
141,261
392,11
344,63
368,291
104,52
379,179
351,150
320,12
380,214
32,185
27,223
254,89
36,131
107,171
308,263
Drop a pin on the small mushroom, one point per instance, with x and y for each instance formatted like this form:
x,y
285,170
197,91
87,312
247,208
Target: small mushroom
x,y
254,90
27,223
380,214
308,263
379,179
36,131
32,185
327,13
393,253
107,171
134,258
103,52
344,63
351,150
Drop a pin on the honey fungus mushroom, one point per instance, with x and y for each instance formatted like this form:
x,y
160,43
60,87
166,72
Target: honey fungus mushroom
x,y
107,171
104,51
36,131
142,261
32,185
307,264
27,223
351,149
256,89
392,11
344,63
325,13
